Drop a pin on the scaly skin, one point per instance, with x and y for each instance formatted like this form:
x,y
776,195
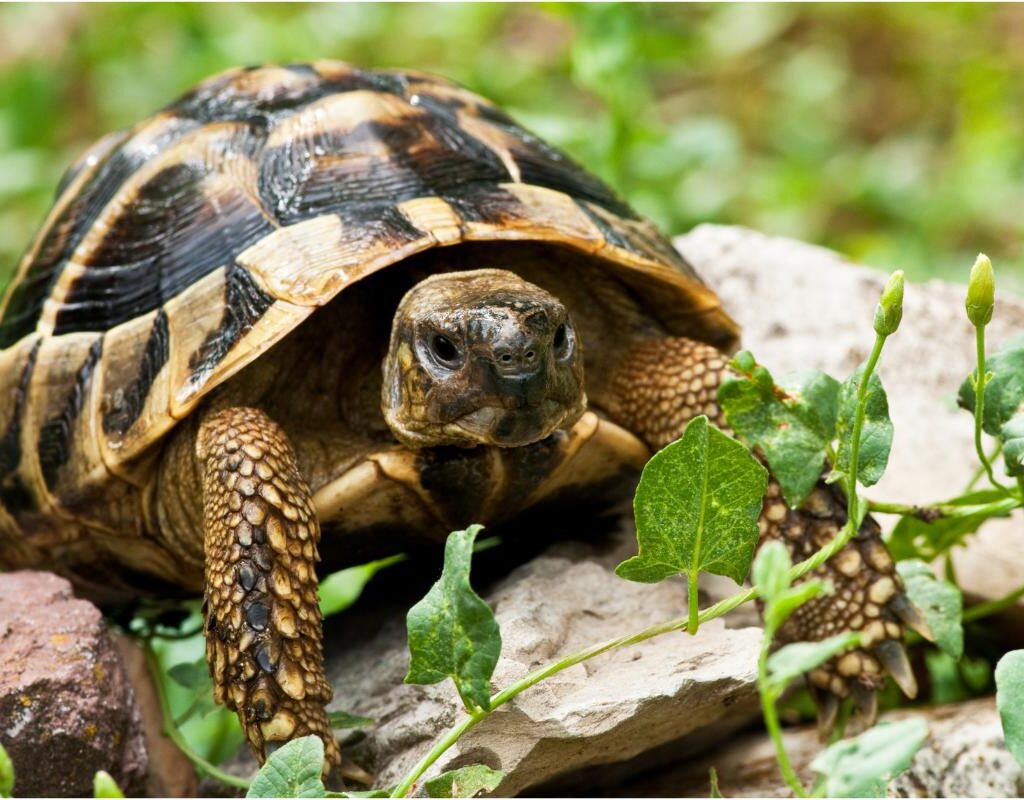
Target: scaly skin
x,y
660,387
264,637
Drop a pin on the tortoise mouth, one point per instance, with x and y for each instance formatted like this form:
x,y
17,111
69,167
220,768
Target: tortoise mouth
x,y
499,425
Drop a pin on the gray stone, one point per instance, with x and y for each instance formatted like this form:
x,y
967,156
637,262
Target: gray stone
x,y
606,710
66,705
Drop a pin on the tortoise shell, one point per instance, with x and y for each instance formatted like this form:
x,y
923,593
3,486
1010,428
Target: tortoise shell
x,y
180,250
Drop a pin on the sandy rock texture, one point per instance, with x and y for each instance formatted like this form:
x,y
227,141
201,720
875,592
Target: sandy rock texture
x,y
66,705
803,306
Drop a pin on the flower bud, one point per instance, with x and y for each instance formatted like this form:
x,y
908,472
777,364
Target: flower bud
x,y
981,292
889,310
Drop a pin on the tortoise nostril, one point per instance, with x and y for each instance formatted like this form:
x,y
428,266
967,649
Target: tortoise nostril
x,y
530,355
506,357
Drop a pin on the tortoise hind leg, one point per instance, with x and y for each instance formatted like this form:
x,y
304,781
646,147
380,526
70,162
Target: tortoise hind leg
x,y
664,383
264,637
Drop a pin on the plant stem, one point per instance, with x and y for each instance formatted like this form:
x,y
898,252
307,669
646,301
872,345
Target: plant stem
x,y
852,507
979,406
693,593
171,731
980,471
993,606
945,510
771,720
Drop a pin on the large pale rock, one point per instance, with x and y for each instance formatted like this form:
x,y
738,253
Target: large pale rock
x,y
965,756
803,306
608,709
66,705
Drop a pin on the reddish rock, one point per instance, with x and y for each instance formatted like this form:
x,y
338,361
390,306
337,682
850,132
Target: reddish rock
x,y
66,706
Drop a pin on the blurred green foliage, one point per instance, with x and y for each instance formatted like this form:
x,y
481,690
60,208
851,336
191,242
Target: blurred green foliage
x,y
890,132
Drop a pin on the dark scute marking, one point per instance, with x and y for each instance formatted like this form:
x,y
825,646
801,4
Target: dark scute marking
x,y
652,246
129,402
55,436
378,221
244,303
541,164
222,100
257,615
486,204
426,155
15,497
69,228
610,234
10,443
172,235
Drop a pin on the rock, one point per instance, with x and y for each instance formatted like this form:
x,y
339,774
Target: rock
x,y
66,705
965,756
606,710
803,306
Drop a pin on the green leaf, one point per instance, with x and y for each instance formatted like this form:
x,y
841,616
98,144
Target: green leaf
x,y
876,433
792,425
787,602
771,570
465,782
193,675
293,770
1004,392
1010,701
1012,434
452,631
341,589
6,774
343,719
696,508
939,601
104,785
863,767
794,660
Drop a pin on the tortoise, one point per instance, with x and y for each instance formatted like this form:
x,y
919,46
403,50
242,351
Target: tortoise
x,y
314,309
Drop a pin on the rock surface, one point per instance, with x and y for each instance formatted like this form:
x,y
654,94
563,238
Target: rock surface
x,y
803,306
66,705
606,710
965,756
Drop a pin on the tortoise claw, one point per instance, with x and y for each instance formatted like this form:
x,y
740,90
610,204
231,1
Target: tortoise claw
x,y
828,711
893,656
867,703
911,616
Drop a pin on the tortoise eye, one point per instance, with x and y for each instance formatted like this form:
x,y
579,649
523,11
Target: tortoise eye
x,y
444,349
560,341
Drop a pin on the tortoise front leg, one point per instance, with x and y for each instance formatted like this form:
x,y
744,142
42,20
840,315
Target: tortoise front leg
x,y
264,636
663,384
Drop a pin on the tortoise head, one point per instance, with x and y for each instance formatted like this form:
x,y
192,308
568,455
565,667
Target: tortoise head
x,y
481,357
